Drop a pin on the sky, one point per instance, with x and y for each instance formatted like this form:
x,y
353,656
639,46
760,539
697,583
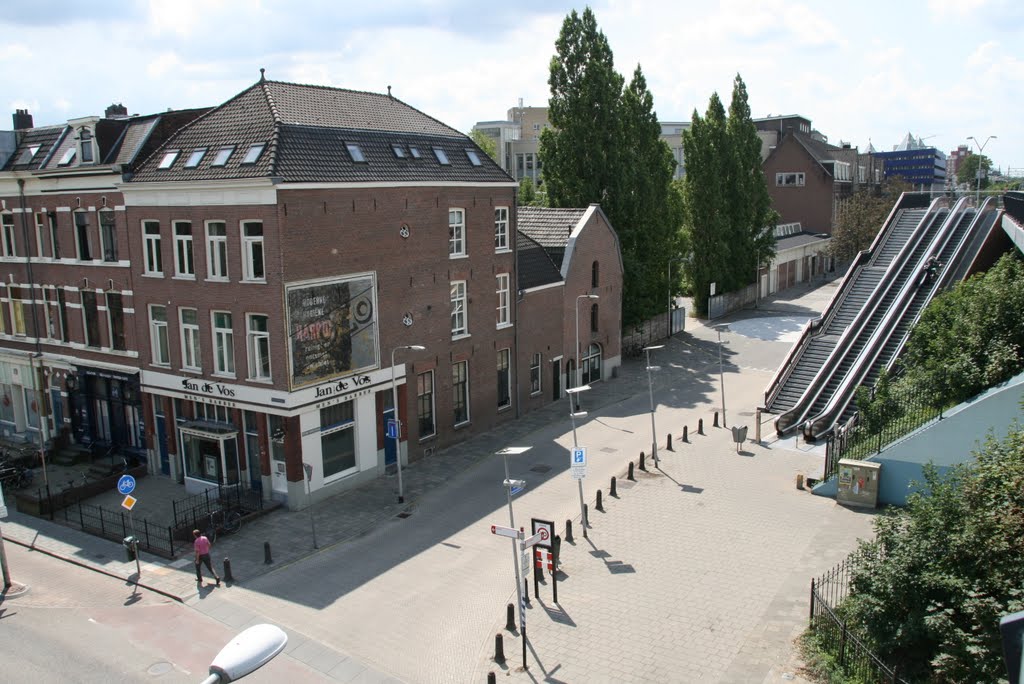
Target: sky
x,y
862,72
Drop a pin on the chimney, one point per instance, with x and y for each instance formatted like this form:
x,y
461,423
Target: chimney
x,y
22,120
116,111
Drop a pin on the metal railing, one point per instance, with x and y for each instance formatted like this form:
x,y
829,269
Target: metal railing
x,y
835,636
194,511
117,525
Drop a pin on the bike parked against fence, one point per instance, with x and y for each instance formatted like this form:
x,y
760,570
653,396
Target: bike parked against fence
x,y
223,521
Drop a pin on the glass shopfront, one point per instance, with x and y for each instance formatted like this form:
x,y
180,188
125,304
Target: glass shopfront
x,y
210,452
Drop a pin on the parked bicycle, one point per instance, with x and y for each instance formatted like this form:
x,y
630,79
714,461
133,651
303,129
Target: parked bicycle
x,y
223,521
15,476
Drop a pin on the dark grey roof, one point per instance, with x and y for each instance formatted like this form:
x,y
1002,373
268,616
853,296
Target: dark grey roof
x,y
305,129
134,137
549,227
799,240
44,136
534,266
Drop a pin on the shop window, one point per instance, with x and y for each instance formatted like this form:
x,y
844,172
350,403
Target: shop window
x,y
337,439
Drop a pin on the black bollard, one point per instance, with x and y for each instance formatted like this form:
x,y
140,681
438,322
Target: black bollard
x,y
686,435
643,462
510,618
599,506
586,519
612,491
228,577
629,475
568,531
700,426
491,679
669,447
267,559
716,419
499,649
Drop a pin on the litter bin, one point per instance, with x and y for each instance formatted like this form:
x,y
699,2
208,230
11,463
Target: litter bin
x,y
858,483
129,547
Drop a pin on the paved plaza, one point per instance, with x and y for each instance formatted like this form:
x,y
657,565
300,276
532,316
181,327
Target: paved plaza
x,y
698,571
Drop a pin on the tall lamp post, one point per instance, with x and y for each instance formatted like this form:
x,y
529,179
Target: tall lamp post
x,y
511,484
721,374
579,371
981,149
573,415
650,389
398,422
670,292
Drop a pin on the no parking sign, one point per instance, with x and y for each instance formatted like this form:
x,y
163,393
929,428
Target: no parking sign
x,y
546,530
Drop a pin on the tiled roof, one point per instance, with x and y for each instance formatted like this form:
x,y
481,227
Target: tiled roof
x,y
137,132
306,129
534,265
44,136
550,227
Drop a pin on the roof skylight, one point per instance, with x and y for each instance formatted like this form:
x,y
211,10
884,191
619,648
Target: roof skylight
x,y
442,158
221,158
253,153
399,151
169,158
414,151
69,156
29,153
355,152
473,158
194,158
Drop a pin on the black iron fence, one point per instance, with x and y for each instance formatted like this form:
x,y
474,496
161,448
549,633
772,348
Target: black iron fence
x,y
193,512
835,636
117,525
907,412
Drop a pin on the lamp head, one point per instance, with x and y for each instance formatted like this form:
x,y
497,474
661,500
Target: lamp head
x,y
416,347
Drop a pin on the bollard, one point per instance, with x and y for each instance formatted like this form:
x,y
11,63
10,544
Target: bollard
x,y
700,426
510,618
612,491
669,447
499,649
491,679
716,419
799,480
228,577
568,531
629,475
643,462
599,506
267,560
686,435
586,519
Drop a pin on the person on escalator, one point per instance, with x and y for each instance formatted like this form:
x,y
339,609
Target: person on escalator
x,y
931,269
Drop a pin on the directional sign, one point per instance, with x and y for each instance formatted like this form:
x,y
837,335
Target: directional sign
x,y
502,531
129,502
392,428
534,540
126,485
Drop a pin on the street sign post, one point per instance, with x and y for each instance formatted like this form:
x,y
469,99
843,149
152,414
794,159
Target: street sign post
x,y
129,502
534,540
126,485
503,531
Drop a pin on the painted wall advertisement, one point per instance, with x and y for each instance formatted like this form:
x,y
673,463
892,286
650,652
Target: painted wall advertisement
x,y
332,328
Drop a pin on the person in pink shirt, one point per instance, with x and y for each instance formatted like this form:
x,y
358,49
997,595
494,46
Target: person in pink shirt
x,y
202,548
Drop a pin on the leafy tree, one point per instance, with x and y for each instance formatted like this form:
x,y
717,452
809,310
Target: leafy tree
x,y
862,216
486,143
967,172
529,195
929,590
752,218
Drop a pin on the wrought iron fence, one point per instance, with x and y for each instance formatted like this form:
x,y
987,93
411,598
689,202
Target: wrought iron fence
x,y
836,637
116,525
193,511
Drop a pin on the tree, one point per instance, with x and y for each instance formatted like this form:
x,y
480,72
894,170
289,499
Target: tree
x,y
486,143
529,195
967,172
929,590
862,216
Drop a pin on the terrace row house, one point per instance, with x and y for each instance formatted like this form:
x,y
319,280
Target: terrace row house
x,y
282,262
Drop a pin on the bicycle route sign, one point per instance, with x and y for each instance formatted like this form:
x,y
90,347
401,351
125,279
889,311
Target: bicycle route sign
x,y
126,485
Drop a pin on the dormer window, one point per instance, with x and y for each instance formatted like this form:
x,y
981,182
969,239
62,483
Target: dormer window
x,y
222,156
399,151
169,158
442,158
69,156
29,154
253,153
414,151
355,152
85,142
474,159
194,158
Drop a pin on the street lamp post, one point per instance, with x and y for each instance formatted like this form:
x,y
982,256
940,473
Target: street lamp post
x,y
721,374
650,389
578,372
670,293
398,422
981,149
573,415
509,484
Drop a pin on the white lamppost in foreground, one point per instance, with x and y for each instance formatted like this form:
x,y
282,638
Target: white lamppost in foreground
x,y
398,422
650,389
246,653
511,484
573,415
981,149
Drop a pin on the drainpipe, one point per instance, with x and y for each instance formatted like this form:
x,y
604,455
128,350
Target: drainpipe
x,y
514,236
28,263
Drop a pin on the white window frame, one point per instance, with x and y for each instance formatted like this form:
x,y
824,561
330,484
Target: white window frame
x,y
8,243
799,179
460,314
456,233
51,313
40,217
536,368
153,261
158,334
78,235
217,252
466,393
503,319
19,327
191,350
501,230
249,244
105,249
254,340
223,345
184,249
